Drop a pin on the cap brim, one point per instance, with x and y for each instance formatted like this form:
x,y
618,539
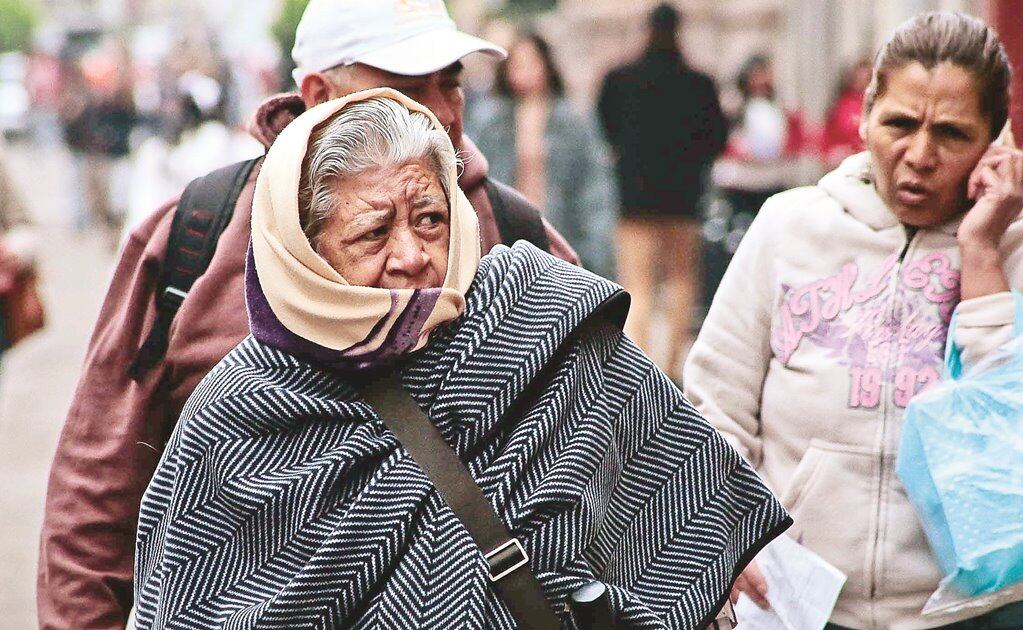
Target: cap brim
x,y
429,52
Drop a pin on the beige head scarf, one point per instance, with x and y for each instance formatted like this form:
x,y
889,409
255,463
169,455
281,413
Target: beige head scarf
x,y
299,303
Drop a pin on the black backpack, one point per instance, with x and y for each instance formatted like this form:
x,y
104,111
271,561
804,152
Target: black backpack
x,y
206,208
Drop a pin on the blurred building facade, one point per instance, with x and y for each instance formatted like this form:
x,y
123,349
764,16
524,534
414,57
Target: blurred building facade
x,y
811,41
238,26
112,14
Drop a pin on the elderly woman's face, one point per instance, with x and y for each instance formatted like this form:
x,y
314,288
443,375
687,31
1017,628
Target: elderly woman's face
x,y
926,135
390,228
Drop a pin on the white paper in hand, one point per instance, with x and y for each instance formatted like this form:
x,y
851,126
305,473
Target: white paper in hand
x,y
749,616
801,587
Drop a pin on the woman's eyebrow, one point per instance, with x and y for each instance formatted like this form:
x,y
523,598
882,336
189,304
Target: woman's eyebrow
x,y
900,112
423,201
369,219
953,121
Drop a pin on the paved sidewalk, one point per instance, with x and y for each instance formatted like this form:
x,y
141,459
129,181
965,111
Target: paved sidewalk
x,y
37,378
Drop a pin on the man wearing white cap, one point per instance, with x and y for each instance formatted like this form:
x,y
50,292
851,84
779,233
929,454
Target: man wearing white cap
x,y
119,423
407,37
414,47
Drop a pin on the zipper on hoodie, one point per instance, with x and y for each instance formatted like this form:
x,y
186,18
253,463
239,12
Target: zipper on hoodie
x,y
885,408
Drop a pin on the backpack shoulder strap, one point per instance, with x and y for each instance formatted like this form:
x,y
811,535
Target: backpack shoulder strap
x,y
510,571
516,218
202,214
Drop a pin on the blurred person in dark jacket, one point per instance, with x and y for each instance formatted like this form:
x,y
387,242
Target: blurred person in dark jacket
x,y
98,115
74,102
665,126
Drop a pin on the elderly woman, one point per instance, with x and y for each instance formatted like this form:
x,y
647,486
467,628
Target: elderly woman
x,y
835,310
285,500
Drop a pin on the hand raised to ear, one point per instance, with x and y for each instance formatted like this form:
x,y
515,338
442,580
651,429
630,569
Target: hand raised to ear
x,y
996,185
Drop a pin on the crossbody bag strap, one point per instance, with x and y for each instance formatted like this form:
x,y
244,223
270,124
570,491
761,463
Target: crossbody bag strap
x,y
510,572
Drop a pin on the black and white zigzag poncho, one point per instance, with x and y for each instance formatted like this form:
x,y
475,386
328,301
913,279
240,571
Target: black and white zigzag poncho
x,y
283,502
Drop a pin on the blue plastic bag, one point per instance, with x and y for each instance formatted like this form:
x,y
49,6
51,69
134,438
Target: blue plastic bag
x,y
961,461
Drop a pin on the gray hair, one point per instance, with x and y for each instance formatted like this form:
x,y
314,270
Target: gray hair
x,y
376,132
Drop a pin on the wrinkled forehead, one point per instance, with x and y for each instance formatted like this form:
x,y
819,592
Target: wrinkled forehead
x,y
411,178
379,191
944,91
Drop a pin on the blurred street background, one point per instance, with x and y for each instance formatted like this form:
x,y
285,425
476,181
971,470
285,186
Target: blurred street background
x,y
109,107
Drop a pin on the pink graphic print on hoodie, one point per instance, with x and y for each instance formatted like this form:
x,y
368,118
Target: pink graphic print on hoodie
x,y
883,329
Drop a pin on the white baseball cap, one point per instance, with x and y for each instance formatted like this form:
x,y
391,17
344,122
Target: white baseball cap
x,y
409,37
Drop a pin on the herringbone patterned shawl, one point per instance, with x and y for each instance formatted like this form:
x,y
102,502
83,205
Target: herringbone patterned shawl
x,y
283,502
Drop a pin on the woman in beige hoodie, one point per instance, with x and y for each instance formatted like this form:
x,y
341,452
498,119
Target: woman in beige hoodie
x,y
834,312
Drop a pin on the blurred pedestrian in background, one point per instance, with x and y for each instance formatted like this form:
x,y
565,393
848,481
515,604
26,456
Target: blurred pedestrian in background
x,y
841,135
665,127
43,83
18,244
75,100
765,142
835,310
200,142
761,159
112,122
535,140
98,114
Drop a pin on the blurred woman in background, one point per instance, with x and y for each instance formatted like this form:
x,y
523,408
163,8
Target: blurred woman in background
x,y
765,141
841,137
762,158
536,141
